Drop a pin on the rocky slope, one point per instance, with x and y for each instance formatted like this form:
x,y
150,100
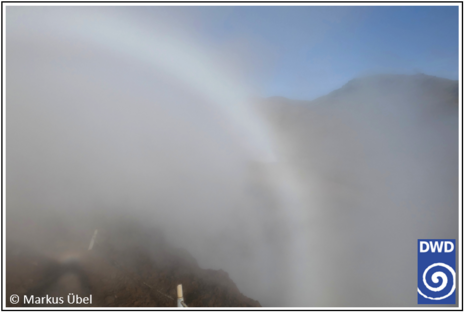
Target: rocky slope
x,y
129,266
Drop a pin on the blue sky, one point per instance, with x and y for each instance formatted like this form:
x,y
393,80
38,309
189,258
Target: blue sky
x,y
306,52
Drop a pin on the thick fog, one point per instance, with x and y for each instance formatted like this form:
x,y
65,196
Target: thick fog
x,y
317,204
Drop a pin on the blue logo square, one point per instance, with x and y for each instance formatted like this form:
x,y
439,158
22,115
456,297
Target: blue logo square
x,y
436,271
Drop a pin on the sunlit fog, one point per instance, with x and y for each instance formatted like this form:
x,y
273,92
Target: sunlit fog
x,y
301,150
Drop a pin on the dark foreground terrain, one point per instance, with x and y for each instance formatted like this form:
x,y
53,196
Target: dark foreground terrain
x,y
127,267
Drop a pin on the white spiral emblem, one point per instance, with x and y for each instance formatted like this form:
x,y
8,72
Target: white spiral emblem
x,y
435,279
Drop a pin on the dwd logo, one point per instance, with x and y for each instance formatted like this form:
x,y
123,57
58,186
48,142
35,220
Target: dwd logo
x,y
436,271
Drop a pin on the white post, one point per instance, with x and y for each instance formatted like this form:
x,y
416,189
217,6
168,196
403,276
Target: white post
x,y
180,298
92,241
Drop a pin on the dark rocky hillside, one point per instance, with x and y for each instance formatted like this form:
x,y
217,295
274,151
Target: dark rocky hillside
x,y
129,266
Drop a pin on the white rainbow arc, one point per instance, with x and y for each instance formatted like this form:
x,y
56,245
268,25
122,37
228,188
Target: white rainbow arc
x,y
188,62
191,64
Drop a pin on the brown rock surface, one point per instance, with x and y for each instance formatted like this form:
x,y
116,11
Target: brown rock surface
x,y
128,267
